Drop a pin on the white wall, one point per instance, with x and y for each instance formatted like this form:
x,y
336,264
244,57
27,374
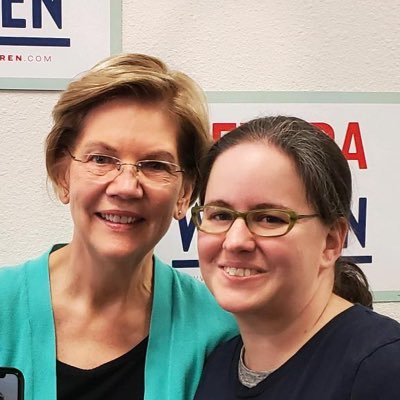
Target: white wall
x,y
326,45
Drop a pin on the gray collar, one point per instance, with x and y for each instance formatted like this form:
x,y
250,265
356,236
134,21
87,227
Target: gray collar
x,y
248,377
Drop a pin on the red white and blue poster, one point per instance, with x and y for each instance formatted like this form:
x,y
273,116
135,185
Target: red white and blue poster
x,y
366,128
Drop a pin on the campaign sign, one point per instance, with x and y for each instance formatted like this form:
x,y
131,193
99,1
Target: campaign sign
x,y
46,43
366,128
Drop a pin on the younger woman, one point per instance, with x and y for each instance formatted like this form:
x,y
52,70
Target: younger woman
x,y
276,200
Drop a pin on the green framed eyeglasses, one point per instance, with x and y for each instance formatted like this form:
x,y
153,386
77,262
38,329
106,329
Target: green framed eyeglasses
x,y
267,222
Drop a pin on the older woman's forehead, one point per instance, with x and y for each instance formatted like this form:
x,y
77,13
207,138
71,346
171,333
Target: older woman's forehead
x,y
126,125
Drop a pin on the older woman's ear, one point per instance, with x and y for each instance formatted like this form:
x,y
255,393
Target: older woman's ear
x,y
183,202
61,185
63,194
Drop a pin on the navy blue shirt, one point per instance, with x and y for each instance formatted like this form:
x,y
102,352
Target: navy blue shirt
x,y
355,356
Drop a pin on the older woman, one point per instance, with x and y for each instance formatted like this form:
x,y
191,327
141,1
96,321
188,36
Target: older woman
x,y
102,317
276,201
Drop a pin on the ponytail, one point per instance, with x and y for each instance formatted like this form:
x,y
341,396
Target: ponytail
x,y
351,283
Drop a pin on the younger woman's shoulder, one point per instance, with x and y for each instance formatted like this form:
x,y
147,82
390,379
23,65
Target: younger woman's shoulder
x,y
365,318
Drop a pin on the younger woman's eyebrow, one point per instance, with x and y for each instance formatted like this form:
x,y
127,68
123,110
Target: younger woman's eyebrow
x,y
258,206
270,205
218,203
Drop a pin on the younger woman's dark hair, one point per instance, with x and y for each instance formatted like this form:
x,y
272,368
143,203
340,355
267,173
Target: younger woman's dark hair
x,y
351,283
324,171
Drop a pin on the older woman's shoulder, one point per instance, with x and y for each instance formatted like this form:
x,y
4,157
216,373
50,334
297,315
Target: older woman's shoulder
x,y
13,277
188,292
40,259
181,280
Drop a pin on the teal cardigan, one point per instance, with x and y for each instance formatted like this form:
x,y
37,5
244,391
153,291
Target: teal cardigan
x,y
186,325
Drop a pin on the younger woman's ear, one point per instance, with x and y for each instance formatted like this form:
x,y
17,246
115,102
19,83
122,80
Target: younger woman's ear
x,y
335,239
183,202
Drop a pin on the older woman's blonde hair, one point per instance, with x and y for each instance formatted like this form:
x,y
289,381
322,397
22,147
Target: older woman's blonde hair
x,y
145,79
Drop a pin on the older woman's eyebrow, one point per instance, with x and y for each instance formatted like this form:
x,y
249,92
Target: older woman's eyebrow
x,y
159,155
98,146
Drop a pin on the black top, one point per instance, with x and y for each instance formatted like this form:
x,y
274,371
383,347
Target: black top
x,y
355,356
119,379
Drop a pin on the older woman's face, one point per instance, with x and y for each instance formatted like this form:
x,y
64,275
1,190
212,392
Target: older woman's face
x,y
249,273
122,214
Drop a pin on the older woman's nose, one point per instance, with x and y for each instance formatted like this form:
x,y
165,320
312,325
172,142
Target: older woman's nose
x,y
126,183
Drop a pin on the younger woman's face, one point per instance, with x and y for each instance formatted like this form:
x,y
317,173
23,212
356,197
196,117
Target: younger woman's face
x,y
249,273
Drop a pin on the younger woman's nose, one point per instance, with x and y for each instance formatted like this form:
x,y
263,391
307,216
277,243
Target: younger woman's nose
x,y
239,238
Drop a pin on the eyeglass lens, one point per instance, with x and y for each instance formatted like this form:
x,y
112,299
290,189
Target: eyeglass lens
x,y
261,222
109,168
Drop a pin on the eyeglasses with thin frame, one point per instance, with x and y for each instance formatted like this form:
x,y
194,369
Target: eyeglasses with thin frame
x,y
107,168
267,222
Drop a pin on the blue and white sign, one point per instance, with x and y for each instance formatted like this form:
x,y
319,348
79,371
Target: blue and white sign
x,y
45,43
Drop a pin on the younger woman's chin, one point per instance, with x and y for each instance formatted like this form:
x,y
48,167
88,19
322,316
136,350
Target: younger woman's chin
x,y
235,305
